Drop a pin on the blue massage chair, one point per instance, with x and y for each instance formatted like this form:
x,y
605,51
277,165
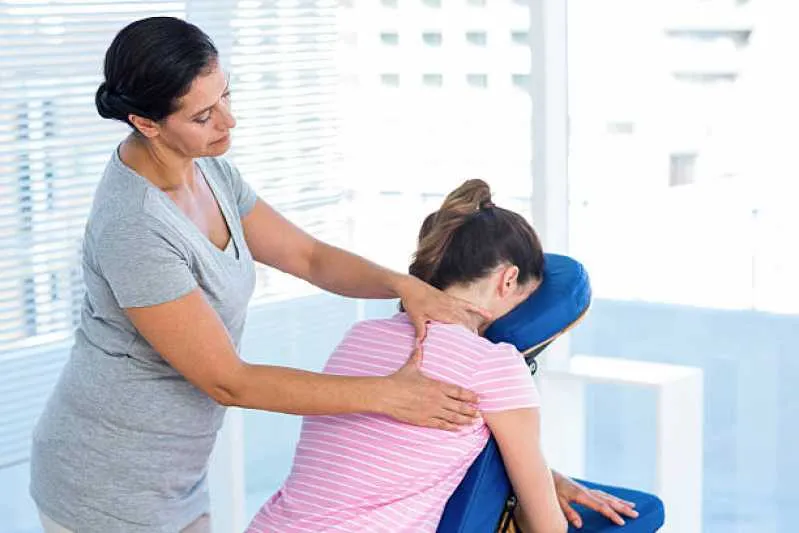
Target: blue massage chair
x,y
484,501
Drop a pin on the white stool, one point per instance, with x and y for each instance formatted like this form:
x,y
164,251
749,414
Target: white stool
x,y
679,414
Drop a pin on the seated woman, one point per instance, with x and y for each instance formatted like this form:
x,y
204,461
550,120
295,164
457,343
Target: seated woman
x,y
369,473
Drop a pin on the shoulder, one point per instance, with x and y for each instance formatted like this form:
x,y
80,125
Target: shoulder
x,y
460,336
390,329
119,200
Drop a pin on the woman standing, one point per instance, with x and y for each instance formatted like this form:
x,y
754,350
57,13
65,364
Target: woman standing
x,y
168,263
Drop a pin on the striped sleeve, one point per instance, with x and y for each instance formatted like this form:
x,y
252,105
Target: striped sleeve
x,y
503,381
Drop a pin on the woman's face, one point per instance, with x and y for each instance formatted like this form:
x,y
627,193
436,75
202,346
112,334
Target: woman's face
x,y
201,125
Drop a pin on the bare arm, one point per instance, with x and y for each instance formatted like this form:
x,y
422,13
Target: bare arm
x,y
276,242
517,434
189,335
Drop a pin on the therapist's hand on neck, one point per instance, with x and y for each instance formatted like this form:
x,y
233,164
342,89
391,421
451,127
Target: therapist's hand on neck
x,y
425,303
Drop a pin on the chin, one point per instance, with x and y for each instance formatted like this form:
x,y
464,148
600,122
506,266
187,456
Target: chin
x,y
217,149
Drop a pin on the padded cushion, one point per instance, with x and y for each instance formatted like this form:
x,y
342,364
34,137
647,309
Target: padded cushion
x,y
650,512
562,298
478,503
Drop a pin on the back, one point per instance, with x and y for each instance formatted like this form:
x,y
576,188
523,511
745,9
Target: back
x,y
359,472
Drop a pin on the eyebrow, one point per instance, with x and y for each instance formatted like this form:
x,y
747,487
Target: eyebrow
x,y
210,107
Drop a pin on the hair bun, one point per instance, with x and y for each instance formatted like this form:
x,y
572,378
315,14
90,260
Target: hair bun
x,y
104,101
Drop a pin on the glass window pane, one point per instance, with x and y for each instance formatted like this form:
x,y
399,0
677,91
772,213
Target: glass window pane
x,y
679,172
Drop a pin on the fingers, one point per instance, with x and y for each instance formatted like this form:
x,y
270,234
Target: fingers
x,y
478,311
601,506
440,423
456,419
619,500
461,408
420,325
465,314
414,360
620,506
571,515
460,394
623,507
608,512
416,357
456,413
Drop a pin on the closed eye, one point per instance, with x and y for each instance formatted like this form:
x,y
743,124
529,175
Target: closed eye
x,y
206,118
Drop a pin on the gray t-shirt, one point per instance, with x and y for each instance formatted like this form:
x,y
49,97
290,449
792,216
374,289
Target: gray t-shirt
x,y
124,440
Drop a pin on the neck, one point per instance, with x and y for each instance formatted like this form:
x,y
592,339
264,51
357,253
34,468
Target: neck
x,y
473,295
162,166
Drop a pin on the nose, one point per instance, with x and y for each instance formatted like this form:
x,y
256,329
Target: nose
x,y
228,120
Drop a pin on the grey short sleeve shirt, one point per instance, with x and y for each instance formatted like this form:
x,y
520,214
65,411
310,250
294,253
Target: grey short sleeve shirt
x,y
124,440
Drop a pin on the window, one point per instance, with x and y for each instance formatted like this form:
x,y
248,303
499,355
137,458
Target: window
x,y
389,39
477,38
477,80
55,147
432,38
520,37
432,80
390,80
521,81
287,85
679,209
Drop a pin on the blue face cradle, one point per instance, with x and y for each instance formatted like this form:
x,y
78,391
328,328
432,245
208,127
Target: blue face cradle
x,y
559,302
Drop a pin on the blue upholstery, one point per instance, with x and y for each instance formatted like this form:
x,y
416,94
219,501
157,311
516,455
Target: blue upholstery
x,y
479,501
562,298
477,504
649,507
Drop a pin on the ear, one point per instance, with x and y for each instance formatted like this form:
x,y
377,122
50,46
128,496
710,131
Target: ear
x,y
508,280
148,128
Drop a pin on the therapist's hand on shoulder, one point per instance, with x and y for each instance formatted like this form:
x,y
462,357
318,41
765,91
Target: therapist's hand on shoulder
x,y
409,396
425,303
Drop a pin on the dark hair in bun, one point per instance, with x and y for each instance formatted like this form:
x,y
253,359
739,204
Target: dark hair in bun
x,y
149,65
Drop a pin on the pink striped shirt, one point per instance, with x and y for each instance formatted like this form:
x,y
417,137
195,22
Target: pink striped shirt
x,y
370,473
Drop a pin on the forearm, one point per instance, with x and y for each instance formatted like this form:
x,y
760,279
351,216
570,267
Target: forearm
x,y
298,392
347,274
539,509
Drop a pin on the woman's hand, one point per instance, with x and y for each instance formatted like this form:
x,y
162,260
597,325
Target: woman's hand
x,y
424,303
569,491
409,396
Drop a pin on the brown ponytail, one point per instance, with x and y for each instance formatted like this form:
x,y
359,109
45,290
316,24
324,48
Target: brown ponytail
x,y
469,236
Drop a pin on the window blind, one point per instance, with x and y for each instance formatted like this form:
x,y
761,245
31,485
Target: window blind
x,y
54,147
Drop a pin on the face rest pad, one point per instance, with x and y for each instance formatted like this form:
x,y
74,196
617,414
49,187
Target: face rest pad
x,y
560,301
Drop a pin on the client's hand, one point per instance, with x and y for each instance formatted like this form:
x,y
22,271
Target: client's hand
x,y
409,396
569,491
